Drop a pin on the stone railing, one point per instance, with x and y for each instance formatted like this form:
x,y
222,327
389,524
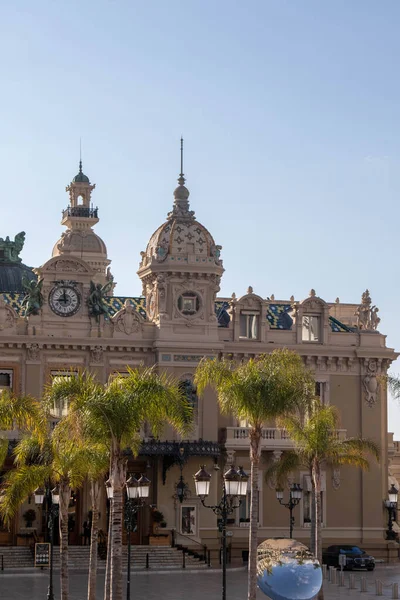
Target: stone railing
x,y
272,437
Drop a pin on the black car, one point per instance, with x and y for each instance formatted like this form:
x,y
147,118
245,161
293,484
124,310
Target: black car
x,y
355,557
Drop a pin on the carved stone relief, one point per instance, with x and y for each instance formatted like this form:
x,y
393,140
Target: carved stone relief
x,y
336,479
7,315
127,320
370,382
33,351
96,354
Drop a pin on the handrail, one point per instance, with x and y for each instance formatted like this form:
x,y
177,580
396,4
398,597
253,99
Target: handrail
x,y
189,538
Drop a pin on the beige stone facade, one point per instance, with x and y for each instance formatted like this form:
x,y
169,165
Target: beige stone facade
x,y
178,320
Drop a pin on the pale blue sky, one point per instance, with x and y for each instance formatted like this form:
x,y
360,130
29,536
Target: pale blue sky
x,y
290,114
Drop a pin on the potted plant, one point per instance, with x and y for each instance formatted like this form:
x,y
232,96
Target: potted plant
x,y
29,516
158,517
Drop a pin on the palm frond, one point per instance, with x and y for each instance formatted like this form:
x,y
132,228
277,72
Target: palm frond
x,y
393,383
289,462
3,450
18,484
260,389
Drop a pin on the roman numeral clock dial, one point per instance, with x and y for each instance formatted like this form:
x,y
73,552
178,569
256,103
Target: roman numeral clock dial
x,y
64,300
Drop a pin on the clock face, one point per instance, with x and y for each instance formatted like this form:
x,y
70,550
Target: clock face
x,y
64,300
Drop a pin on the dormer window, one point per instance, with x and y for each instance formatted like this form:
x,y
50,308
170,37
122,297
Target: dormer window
x,y
249,324
311,328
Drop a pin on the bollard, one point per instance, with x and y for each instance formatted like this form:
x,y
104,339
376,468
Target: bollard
x,y
209,558
183,560
352,582
378,587
324,572
205,554
331,569
341,578
363,584
2,562
395,591
147,560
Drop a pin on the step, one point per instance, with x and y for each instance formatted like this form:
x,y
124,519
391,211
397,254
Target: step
x,y
78,557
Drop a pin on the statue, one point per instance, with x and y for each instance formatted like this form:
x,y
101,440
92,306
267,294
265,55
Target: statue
x,y
367,316
96,301
33,299
11,250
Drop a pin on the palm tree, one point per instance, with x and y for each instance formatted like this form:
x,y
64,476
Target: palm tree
x,y
75,426
54,459
22,413
317,445
256,391
116,416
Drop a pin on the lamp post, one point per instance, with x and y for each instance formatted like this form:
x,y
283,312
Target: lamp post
x,y
234,486
52,502
137,490
391,505
295,495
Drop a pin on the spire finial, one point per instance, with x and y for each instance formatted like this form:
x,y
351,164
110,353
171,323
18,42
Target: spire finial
x,y
181,179
80,155
181,173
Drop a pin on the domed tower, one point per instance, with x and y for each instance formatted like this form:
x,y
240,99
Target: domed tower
x,y
180,272
79,218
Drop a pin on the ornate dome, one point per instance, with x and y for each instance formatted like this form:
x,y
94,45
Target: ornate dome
x,y
81,242
81,177
12,275
181,236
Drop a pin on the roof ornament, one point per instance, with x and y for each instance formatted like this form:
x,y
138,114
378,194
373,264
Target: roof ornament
x,y
181,179
367,314
180,209
312,293
10,250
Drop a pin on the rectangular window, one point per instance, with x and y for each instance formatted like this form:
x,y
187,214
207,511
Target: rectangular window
x,y
188,520
244,509
249,325
311,328
306,502
307,498
6,379
321,390
62,409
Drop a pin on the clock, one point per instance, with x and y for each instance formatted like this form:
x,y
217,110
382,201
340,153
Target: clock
x,y
64,300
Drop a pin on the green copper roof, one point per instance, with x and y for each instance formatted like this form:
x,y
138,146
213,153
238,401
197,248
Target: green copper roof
x,y
81,177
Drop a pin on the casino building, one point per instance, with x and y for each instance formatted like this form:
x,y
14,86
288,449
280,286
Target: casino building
x,y
179,319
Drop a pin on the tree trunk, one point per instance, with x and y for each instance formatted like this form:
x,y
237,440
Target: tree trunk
x,y
65,495
316,516
94,534
118,481
107,580
255,451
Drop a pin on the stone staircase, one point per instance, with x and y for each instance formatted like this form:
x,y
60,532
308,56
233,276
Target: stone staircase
x,y
15,557
160,557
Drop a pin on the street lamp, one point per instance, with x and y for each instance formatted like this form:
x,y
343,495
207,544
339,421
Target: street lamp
x,y
52,502
137,491
235,486
295,495
391,505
